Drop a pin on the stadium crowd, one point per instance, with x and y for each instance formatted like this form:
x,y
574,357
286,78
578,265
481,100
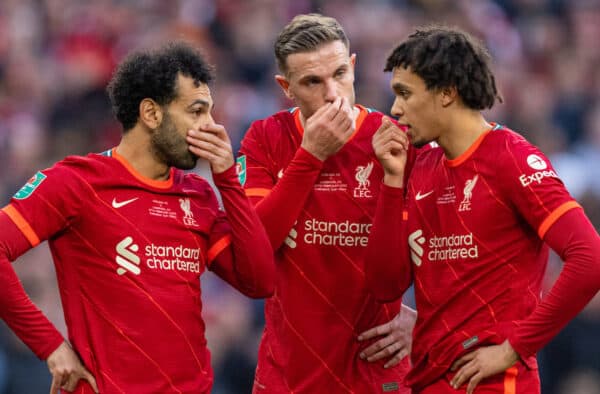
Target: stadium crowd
x,y
56,57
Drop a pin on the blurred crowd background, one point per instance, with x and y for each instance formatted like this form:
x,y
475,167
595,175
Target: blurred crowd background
x,y
56,57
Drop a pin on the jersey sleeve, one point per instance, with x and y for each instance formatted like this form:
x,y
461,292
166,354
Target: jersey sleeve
x,y
278,204
48,203
44,206
576,241
239,249
532,185
388,269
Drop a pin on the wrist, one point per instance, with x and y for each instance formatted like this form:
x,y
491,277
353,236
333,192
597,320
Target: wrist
x,y
511,355
394,180
313,152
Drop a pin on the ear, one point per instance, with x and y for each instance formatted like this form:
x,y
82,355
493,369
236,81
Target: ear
x,y
151,113
353,60
285,85
448,96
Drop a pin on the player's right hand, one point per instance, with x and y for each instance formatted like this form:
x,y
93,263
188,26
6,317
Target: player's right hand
x,y
328,129
211,142
66,370
390,144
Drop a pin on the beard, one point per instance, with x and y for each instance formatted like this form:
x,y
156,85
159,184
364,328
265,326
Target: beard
x,y
170,146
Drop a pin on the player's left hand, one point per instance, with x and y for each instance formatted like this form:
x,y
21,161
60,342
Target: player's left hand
x,y
482,363
211,142
397,338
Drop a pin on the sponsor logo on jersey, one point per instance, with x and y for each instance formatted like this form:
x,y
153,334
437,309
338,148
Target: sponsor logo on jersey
x,y
420,196
465,204
415,242
240,169
344,233
290,240
30,186
536,162
362,177
451,247
188,215
536,177
156,257
118,204
127,259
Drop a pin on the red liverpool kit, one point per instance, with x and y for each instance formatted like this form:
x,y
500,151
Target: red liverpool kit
x,y
321,303
471,241
129,252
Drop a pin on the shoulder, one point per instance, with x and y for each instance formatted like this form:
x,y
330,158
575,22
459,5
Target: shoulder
x,y
92,164
372,117
509,140
273,125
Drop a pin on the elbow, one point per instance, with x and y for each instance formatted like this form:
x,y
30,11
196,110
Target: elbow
x,y
262,290
386,288
383,291
385,297
264,284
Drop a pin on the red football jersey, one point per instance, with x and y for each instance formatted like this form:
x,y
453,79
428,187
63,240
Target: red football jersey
x,y
475,230
128,253
321,303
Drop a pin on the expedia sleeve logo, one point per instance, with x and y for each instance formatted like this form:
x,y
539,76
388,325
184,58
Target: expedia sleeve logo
x,y
539,164
30,186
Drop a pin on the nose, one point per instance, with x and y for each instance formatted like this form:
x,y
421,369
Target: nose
x,y
397,110
331,91
204,120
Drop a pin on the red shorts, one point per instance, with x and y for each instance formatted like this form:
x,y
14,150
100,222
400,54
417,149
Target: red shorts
x,y
515,380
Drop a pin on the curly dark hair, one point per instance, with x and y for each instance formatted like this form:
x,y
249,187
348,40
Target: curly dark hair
x,y
449,57
305,33
153,74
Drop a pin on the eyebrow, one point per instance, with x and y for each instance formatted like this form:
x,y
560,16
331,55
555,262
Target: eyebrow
x,y
399,86
202,103
311,76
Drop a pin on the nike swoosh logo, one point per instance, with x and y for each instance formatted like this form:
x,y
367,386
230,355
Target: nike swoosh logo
x,y
119,204
420,196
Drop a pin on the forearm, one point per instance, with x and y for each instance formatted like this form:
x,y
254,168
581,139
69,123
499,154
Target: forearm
x,y
252,261
16,308
280,209
387,267
575,240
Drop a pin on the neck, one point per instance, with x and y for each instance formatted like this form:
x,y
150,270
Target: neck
x,y
135,149
461,131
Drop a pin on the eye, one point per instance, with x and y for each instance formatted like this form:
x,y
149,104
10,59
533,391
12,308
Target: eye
x,y
312,81
340,73
404,93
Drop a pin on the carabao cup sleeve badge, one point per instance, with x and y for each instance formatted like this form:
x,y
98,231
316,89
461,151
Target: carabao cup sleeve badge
x,y
30,186
240,169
